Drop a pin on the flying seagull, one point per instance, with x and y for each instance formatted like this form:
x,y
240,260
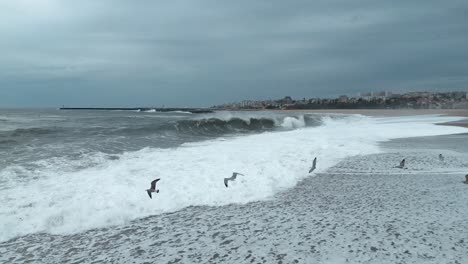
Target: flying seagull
x,y
441,158
402,164
233,177
314,163
466,179
153,188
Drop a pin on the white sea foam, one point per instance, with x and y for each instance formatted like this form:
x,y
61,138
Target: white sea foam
x,y
181,112
112,192
293,122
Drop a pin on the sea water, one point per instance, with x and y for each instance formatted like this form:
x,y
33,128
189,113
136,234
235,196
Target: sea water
x,y
67,172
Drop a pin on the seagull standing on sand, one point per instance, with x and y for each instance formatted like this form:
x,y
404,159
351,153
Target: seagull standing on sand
x,y
153,188
233,177
402,164
314,163
441,158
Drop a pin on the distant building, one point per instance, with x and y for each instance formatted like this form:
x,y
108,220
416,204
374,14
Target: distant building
x,y
368,96
287,100
343,99
365,96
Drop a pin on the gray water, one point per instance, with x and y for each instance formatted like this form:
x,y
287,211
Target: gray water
x,y
30,135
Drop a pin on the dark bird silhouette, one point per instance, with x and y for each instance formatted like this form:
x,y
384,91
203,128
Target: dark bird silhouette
x,y
314,165
233,177
466,179
153,188
441,158
402,164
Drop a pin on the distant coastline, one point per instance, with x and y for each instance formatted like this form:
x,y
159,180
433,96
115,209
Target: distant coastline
x,y
363,102
379,100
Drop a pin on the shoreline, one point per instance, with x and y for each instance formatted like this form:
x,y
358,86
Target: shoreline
x,y
397,112
386,112
367,112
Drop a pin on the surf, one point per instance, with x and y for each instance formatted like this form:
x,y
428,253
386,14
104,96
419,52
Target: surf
x,y
110,192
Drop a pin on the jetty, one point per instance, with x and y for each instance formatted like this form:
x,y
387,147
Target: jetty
x,y
143,109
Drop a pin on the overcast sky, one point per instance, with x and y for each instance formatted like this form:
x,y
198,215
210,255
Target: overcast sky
x,y
200,53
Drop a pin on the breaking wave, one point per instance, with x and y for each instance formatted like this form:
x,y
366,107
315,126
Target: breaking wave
x,y
212,126
216,126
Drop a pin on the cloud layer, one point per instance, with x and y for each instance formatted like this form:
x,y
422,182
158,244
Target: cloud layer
x,y
199,53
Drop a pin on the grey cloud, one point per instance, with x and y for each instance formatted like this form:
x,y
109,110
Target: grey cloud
x,y
198,53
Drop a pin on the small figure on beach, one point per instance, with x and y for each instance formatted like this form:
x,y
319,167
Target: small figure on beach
x,y
466,179
232,178
441,158
314,164
402,165
153,188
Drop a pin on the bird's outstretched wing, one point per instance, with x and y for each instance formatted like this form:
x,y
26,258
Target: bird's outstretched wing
x,y
234,174
149,193
153,184
314,163
226,182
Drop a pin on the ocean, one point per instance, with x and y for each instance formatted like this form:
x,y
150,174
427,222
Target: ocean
x,y
72,188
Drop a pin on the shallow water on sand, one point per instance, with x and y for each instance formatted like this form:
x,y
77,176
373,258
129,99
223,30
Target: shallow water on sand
x,y
359,211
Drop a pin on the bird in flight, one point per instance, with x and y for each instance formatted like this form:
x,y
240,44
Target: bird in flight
x,y
232,178
314,164
153,188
